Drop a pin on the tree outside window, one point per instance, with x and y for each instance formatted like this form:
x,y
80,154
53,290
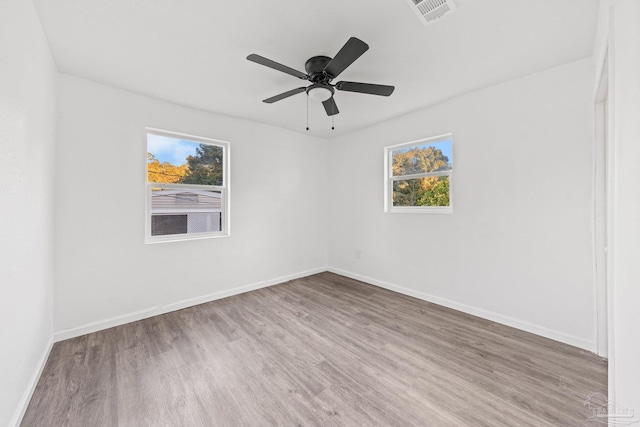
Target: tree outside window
x,y
418,176
187,187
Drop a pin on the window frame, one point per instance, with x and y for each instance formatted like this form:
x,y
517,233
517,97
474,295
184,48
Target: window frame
x,y
389,178
224,189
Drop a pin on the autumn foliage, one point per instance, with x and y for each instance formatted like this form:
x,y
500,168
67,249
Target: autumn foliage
x,y
166,172
420,191
205,168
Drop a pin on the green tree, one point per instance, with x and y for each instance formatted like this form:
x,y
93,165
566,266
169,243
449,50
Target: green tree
x,y
436,192
428,191
205,167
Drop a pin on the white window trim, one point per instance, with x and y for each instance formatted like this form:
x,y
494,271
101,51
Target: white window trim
x,y
389,179
224,190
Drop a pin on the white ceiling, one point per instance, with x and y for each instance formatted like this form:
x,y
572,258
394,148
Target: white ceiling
x,y
192,52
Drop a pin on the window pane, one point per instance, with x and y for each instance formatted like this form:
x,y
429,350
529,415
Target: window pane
x,y
179,161
423,158
430,191
161,225
176,211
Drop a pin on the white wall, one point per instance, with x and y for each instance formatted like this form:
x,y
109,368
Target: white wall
x,y
105,274
518,247
27,90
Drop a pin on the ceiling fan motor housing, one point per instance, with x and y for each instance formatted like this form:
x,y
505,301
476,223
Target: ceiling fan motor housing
x,y
315,69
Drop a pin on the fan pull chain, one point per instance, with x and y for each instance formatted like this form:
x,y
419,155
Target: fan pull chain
x,y
332,123
307,112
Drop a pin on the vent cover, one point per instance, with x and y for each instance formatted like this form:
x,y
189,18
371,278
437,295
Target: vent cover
x,y
431,10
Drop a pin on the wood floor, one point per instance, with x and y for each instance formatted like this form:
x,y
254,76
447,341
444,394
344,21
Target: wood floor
x,y
319,351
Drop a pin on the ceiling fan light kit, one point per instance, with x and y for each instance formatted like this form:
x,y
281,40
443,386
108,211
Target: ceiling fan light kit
x,y
320,71
320,92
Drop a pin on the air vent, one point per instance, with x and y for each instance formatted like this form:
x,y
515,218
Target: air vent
x,y
431,10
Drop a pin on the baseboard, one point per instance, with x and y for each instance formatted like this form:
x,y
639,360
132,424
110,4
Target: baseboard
x,y
475,311
485,314
31,386
155,311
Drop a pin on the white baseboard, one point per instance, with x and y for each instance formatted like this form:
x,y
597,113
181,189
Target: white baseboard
x,y
475,311
485,314
31,386
155,311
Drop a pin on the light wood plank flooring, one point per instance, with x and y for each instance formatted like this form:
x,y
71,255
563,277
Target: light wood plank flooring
x,y
319,351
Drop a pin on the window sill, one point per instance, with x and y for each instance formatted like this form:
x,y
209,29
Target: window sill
x,y
421,210
181,238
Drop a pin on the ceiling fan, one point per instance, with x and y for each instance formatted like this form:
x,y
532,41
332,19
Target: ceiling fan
x,y
321,70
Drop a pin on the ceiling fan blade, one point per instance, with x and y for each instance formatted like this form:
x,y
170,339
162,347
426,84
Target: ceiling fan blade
x,y
369,88
352,50
284,95
276,66
330,107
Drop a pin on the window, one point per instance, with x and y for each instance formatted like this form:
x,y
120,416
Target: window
x,y
418,176
187,187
